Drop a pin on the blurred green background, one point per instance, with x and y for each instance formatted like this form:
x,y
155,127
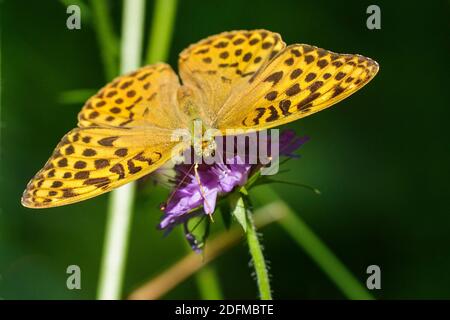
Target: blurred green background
x,y
379,158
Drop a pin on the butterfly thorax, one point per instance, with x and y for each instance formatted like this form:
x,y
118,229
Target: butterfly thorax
x,y
201,133
202,137
186,103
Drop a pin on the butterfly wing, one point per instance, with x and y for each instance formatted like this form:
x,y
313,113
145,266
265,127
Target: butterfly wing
x,y
145,96
219,65
91,161
298,82
125,133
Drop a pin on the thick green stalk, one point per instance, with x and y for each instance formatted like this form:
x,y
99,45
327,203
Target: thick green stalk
x,y
105,36
121,201
315,248
262,274
161,30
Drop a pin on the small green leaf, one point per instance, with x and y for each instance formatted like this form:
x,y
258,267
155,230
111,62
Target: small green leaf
x,y
243,191
238,209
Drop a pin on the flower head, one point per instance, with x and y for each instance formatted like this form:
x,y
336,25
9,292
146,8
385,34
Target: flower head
x,y
198,187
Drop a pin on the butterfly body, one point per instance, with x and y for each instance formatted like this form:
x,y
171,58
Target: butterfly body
x,y
238,80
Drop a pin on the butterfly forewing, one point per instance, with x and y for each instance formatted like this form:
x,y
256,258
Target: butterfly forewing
x,y
125,134
299,81
219,65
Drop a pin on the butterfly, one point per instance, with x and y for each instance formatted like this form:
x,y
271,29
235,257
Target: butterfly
x,y
233,80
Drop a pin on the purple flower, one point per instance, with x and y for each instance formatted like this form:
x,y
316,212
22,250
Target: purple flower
x,y
197,194
216,179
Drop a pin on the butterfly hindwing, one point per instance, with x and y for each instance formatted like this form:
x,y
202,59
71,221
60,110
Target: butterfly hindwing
x,y
91,161
298,82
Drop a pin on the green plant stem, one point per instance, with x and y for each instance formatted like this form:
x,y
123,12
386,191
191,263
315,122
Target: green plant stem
x,y
315,248
262,275
192,262
161,30
206,278
208,284
105,36
121,200
326,260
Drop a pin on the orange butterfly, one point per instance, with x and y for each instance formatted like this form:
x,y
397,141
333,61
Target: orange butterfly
x,y
234,80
